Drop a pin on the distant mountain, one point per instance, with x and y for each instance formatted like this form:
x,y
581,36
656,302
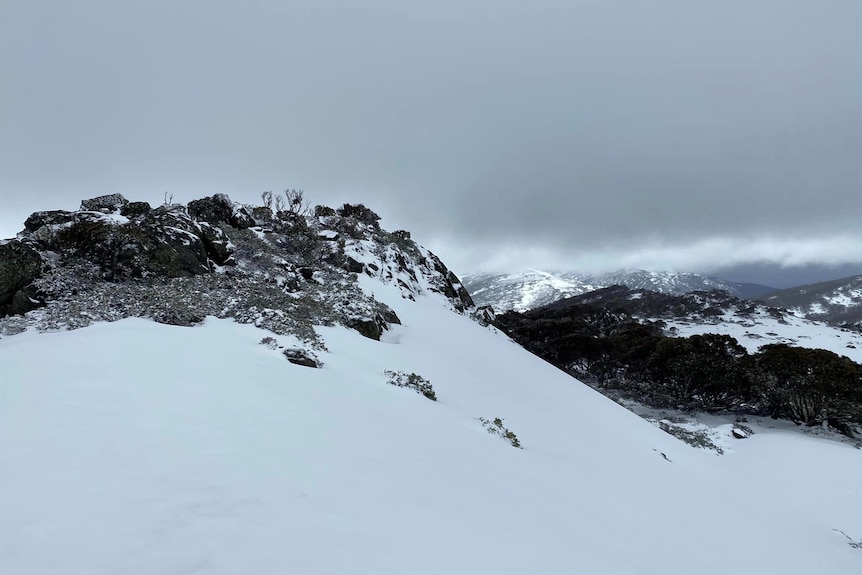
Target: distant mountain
x,y
535,288
836,301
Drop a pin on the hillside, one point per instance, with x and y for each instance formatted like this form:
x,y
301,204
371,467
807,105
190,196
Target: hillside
x,y
200,445
701,352
535,288
836,301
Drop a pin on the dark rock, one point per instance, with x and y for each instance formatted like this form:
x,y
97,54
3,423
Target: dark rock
x,y
485,315
360,213
301,357
26,299
165,242
105,204
388,315
401,236
135,209
739,433
20,266
220,209
178,317
370,328
373,327
306,273
216,244
53,217
353,266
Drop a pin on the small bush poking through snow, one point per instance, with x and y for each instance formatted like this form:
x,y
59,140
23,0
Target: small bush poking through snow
x,y
496,427
412,381
850,541
269,342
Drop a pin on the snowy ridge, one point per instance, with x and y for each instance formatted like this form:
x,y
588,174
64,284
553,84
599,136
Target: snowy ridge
x,y
535,288
234,460
143,448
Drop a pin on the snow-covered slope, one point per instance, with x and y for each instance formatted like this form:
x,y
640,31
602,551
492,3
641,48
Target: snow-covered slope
x,y
761,328
535,288
139,448
836,301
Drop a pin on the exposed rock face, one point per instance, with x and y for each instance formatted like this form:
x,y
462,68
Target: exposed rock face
x,y
20,266
54,217
290,272
220,209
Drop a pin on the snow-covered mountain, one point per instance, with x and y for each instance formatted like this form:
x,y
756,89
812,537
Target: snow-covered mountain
x,y
214,446
535,288
836,301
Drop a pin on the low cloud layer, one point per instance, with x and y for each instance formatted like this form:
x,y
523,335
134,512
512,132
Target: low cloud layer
x,y
577,134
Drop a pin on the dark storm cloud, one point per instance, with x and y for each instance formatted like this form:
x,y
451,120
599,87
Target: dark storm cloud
x,y
596,134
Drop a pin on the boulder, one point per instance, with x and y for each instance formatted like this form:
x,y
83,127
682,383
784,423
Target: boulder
x,y
353,266
299,356
164,242
105,204
20,266
373,327
48,218
216,244
135,209
220,209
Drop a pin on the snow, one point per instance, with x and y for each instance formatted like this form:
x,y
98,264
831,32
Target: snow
x,y
140,448
849,299
762,329
112,219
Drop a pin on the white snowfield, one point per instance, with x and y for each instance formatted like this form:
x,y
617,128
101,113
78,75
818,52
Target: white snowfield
x,y
141,449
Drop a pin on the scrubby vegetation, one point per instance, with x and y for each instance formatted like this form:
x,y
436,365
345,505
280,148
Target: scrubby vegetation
x,y
495,427
614,351
411,381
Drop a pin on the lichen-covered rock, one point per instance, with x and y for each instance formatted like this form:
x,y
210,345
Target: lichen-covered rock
x,y
20,266
105,204
220,209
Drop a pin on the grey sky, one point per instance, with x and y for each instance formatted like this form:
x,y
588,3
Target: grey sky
x,y
573,134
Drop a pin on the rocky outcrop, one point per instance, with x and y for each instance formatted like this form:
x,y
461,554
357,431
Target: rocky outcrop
x,y
106,204
39,220
220,209
292,271
20,266
136,242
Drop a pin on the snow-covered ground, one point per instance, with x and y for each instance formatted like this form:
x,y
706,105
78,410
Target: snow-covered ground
x,y
139,448
761,328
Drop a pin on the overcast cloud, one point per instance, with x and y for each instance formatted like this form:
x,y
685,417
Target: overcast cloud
x,y
573,134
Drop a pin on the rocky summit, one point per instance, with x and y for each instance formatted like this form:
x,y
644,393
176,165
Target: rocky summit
x,y
283,269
